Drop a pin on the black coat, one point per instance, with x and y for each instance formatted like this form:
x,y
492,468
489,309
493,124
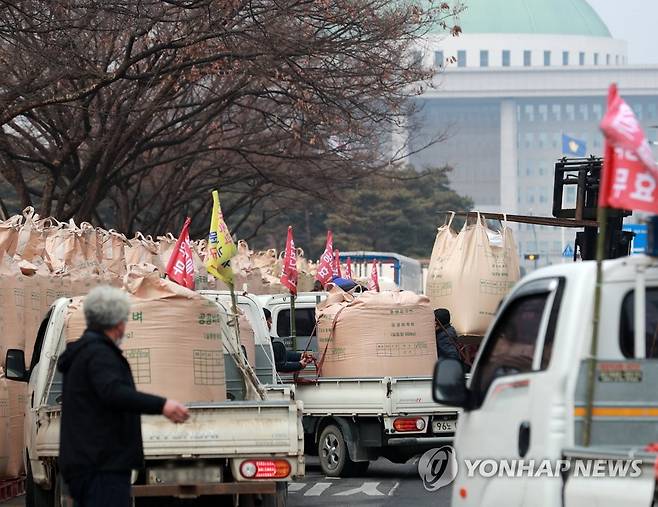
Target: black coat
x,y
446,338
101,426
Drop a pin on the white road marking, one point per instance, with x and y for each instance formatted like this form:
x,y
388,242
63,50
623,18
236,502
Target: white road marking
x,y
367,488
332,478
317,489
394,488
293,487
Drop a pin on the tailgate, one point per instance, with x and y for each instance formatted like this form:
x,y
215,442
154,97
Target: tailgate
x,y
235,428
344,396
413,395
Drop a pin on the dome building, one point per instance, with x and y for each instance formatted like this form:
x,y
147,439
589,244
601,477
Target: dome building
x,y
522,75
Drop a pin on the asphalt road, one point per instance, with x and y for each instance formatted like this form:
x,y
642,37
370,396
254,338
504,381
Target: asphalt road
x,y
385,484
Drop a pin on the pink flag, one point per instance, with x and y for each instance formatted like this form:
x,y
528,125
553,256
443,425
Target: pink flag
x,y
373,281
180,267
630,175
325,265
289,273
348,269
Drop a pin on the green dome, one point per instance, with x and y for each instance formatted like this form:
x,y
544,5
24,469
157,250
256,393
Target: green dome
x,y
560,17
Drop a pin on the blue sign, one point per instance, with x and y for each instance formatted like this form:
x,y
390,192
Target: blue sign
x,y
639,245
568,252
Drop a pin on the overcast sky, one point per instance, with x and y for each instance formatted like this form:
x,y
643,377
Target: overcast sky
x,y
636,22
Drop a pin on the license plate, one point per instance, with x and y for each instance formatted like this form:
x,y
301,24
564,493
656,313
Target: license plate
x,y
444,426
184,475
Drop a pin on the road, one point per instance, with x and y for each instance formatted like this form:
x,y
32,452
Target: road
x,y
385,484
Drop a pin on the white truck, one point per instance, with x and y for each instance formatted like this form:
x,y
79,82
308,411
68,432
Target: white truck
x,y
526,403
238,448
349,422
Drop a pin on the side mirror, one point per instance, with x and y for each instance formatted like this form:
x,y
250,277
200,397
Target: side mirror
x,y
449,383
15,366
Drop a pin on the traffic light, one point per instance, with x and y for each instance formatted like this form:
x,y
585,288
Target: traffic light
x,y
531,257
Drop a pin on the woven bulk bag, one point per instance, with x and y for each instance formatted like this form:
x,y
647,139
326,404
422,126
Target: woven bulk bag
x,y
471,272
376,334
173,340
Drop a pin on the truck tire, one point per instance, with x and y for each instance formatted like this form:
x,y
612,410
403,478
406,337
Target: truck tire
x,y
35,495
278,499
335,460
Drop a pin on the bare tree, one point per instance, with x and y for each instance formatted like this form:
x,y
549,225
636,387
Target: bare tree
x,y
127,113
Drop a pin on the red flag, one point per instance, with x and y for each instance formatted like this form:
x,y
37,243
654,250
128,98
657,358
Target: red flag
x,y
335,267
289,273
373,281
348,271
180,267
325,265
629,177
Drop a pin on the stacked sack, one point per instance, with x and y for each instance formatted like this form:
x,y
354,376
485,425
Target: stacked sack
x,y
173,340
376,334
42,260
470,272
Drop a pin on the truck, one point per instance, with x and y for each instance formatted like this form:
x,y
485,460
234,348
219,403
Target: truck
x,y
244,449
539,393
349,422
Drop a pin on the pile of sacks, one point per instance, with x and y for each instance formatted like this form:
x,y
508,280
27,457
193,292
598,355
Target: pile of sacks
x,y
470,272
42,260
375,334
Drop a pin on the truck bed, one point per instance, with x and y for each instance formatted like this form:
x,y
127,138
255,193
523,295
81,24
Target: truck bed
x,y
214,430
386,396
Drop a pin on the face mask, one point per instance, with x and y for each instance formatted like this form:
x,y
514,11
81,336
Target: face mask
x,y
119,342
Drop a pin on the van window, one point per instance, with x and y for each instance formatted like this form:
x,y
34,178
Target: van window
x,y
627,324
304,322
511,348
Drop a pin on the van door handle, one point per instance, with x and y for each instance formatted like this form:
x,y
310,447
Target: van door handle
x,y
524,438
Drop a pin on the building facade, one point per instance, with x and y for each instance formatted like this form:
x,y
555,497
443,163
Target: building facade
x,y
523,74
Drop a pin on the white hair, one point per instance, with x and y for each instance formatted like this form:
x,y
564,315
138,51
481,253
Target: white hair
x,y
105,307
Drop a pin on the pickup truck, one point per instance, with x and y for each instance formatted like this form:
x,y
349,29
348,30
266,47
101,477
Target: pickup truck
x,y
349,422
529,398
238,448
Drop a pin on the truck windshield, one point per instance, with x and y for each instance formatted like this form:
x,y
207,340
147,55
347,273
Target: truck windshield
x,y
627,324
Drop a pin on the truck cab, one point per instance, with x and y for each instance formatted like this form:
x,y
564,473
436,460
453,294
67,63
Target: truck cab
x,y
527,394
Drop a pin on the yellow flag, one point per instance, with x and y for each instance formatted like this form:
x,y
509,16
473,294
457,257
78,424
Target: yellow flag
x,y
220,244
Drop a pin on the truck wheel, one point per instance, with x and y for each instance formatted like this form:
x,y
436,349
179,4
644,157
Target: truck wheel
x,y
278,499
334,457
35,495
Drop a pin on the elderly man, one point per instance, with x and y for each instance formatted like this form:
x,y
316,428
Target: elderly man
x,y
101,438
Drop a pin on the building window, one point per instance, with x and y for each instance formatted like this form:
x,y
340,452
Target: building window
x,y
438,58
416,58
607,59
528,139
596,58
484,58
547,58
507,58
529,113
583,111
597,111
616,59
543,112
527,58
461,58
581,58
556,111
565,57
570,112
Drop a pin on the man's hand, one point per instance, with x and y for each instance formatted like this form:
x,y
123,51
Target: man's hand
x,y
175,411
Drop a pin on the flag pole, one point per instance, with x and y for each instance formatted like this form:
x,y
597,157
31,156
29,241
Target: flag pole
x,y
602,218
293,329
